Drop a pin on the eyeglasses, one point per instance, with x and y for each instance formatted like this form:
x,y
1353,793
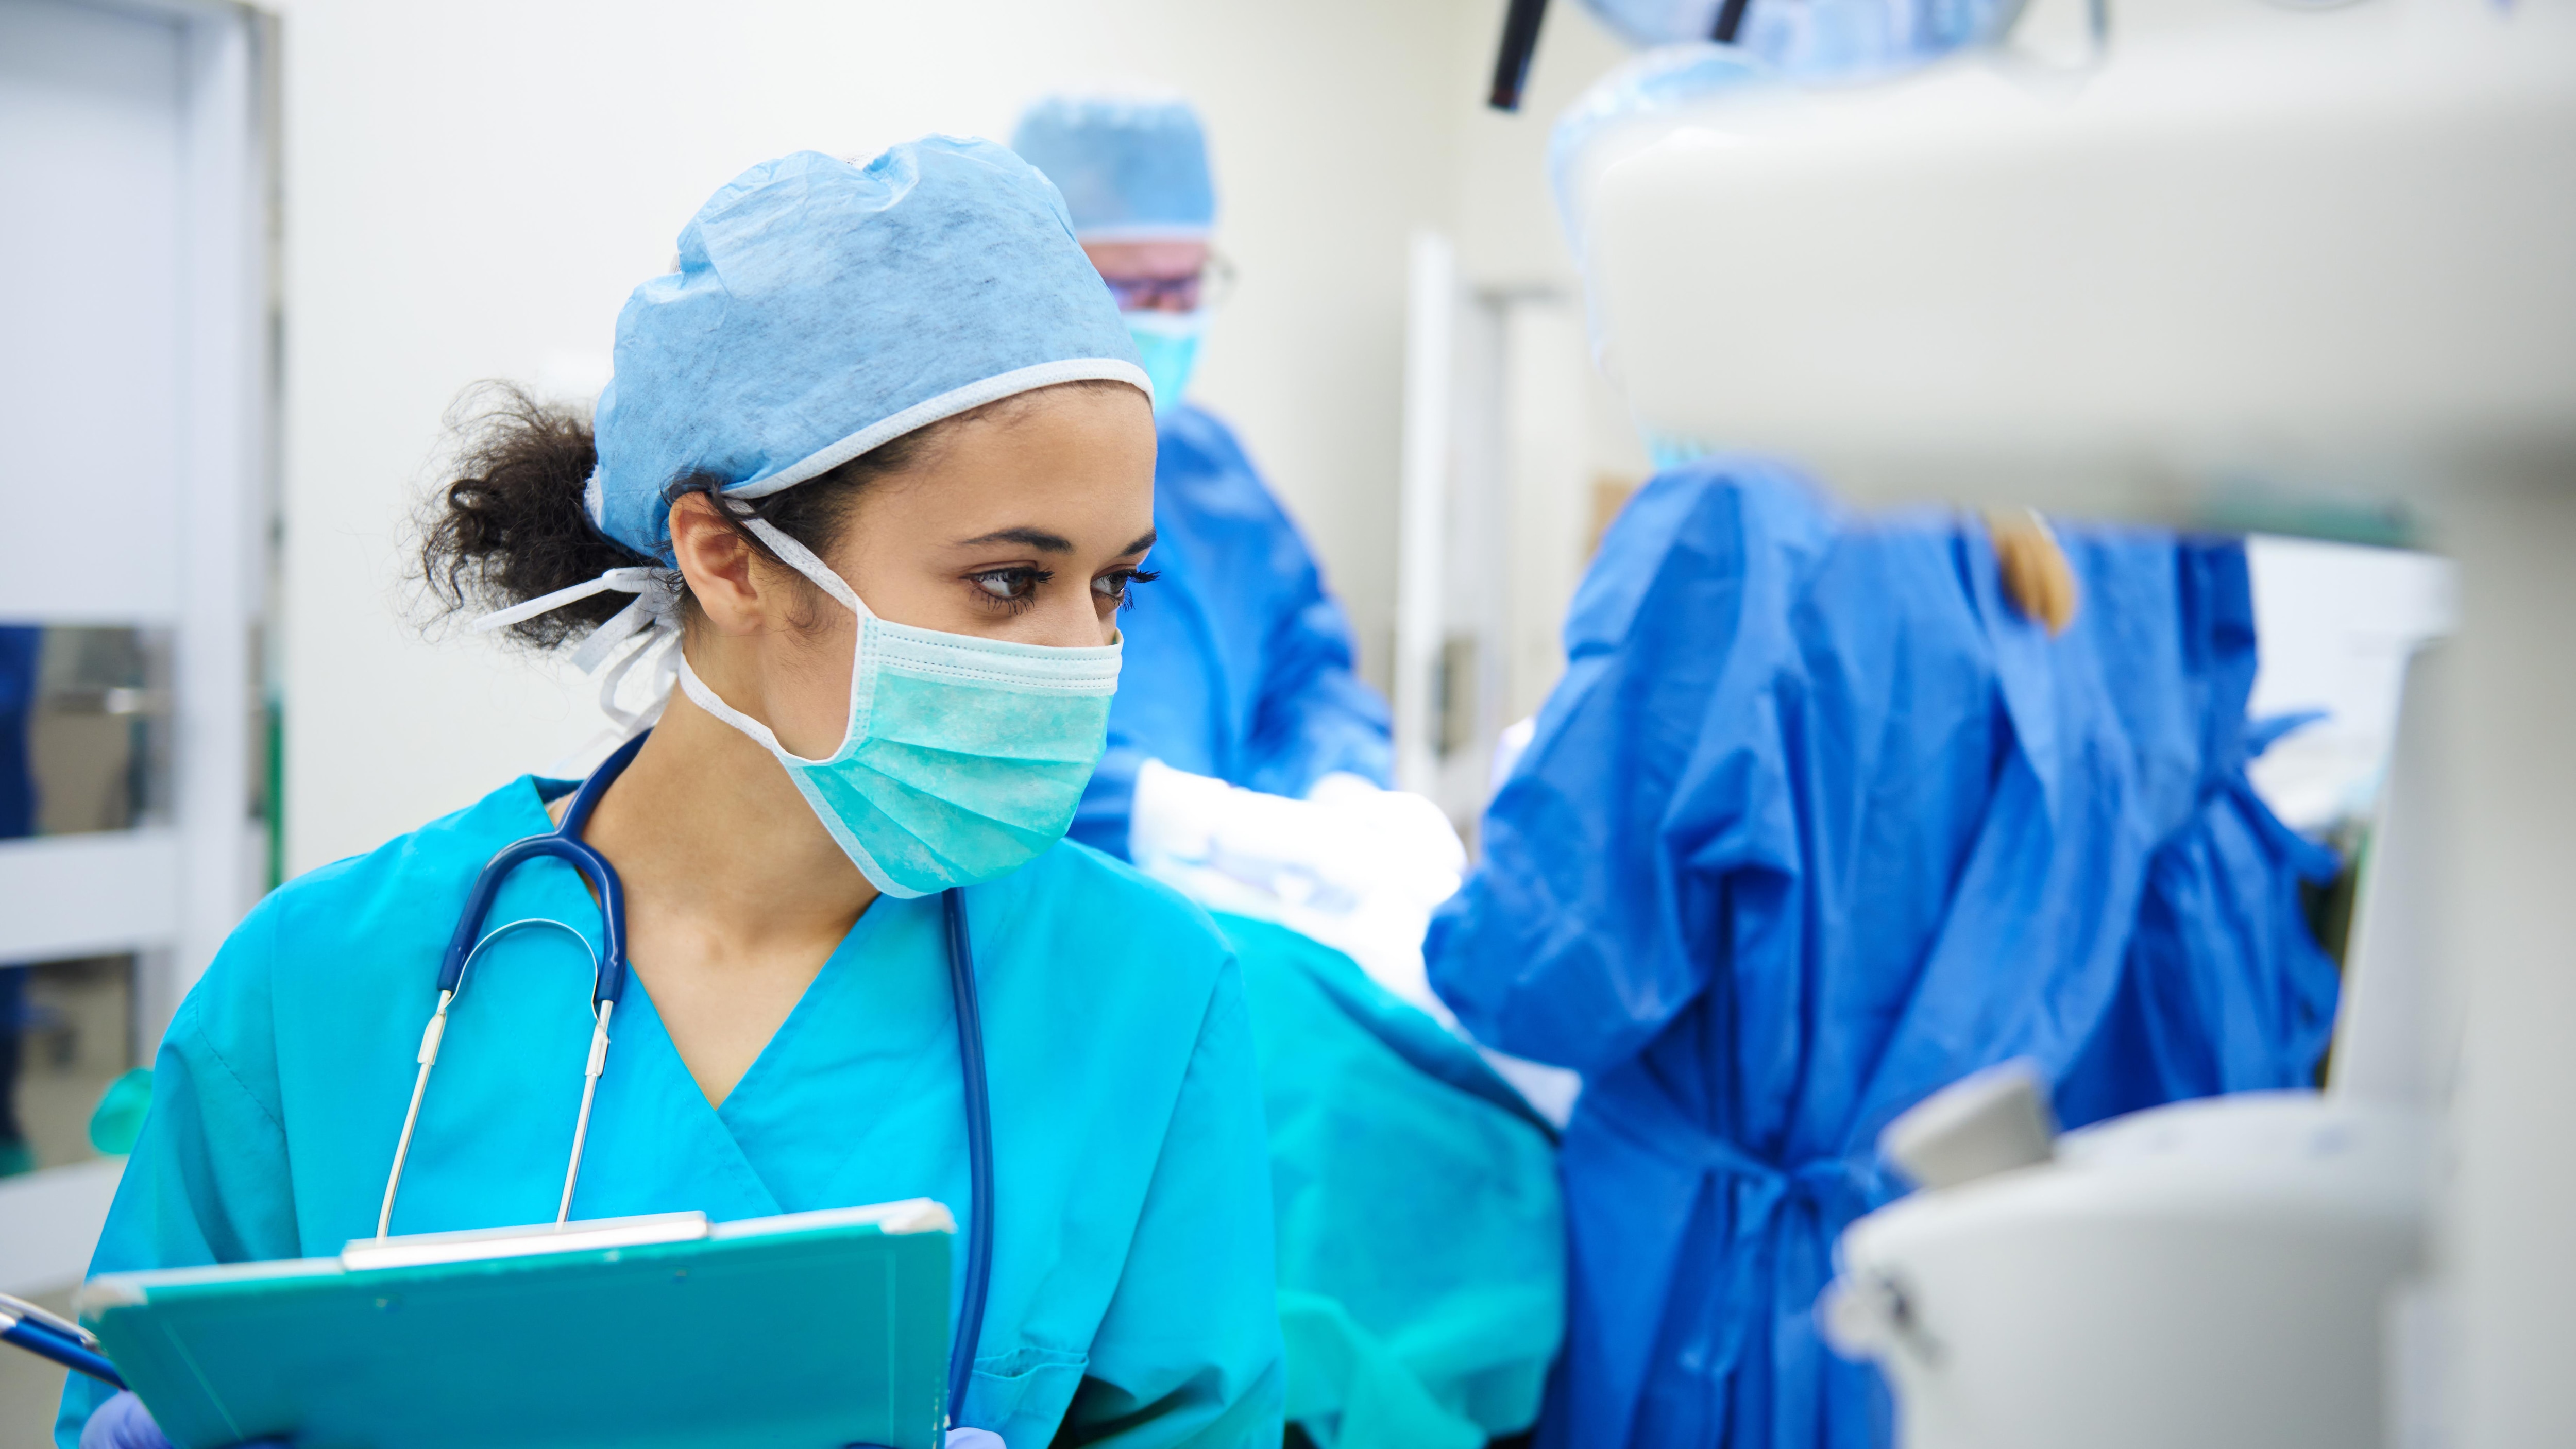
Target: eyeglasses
x,y
1209,286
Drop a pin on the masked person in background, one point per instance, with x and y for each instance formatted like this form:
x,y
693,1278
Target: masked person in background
x,y
1247,761
1420,1241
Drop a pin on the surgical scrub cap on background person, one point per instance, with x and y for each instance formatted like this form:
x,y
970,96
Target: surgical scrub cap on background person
x,y
823,308
1131,168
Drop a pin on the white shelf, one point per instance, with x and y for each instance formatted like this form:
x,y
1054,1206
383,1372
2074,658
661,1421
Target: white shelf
x,y
81,895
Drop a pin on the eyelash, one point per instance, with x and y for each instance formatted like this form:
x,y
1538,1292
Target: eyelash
x,y
1124,578
1026,581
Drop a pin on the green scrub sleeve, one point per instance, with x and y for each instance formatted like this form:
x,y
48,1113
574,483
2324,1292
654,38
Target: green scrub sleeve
x,y
207,1181
1189,1351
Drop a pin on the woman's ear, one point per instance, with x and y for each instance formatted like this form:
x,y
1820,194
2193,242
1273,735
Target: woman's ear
x,y
718,563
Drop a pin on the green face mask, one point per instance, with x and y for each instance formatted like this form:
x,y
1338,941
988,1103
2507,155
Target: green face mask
x,y
1168,343
964,757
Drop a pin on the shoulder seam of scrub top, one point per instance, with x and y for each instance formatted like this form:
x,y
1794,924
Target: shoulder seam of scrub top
x,y
1226,966
215,1053
947,405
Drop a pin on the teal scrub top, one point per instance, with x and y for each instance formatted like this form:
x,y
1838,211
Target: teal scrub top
x,y
1132,1289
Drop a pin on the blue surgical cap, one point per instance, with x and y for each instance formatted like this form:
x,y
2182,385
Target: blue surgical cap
x,y
822,308
1131,169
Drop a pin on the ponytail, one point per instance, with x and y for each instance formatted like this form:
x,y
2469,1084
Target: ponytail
x,y
512,525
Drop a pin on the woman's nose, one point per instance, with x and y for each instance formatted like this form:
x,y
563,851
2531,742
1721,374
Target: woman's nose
x,y
1068,622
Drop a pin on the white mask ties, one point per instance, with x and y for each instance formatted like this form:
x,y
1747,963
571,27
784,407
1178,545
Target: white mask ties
x,y
655,615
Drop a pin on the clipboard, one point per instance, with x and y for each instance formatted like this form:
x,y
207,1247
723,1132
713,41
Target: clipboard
x,y
812,1330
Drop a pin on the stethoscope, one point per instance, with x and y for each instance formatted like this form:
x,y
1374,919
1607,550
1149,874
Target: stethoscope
x,y
608,983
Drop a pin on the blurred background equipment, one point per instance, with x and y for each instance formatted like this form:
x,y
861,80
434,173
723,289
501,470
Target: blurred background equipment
x,y
2238,1255
2247,266
1521,20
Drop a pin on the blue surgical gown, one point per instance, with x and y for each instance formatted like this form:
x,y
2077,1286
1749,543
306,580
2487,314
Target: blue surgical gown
x,y
2225,989
1816,823
1132,1288
1237,663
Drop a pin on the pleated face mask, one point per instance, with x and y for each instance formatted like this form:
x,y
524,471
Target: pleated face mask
x,y
964,757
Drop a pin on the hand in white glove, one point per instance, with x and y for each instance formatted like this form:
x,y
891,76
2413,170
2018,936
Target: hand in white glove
x,y
1408,842
1354,866
1347,841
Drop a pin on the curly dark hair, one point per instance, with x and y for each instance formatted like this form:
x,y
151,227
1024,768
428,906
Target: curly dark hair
x,y
511,525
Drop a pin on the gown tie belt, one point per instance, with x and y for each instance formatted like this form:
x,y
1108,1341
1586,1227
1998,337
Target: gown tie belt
x,y
1832,1190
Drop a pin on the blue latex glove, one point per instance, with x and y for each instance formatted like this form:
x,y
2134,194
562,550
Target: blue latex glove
x,y
123,1423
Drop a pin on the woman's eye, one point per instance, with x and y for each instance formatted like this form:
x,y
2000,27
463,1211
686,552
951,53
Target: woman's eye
x,y
1113,587
1010,586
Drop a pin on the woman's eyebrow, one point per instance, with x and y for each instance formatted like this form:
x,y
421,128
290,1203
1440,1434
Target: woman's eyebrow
x,y
1036,538
1045,542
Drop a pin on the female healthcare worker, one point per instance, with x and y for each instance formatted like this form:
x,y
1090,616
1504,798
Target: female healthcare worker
x,y
900,384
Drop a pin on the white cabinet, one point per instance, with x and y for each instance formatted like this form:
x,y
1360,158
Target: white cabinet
x,y
135,399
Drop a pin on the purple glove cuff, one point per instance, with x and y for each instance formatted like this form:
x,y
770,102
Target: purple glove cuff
x,y
123,1423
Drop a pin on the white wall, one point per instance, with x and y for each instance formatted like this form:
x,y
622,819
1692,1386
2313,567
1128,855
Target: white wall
x,y
472,187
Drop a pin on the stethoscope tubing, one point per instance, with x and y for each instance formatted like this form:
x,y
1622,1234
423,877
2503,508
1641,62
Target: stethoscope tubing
x,y
608,985
979,1151
562,843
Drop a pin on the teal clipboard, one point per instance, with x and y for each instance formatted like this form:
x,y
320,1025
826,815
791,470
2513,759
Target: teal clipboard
x,y
809,1331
